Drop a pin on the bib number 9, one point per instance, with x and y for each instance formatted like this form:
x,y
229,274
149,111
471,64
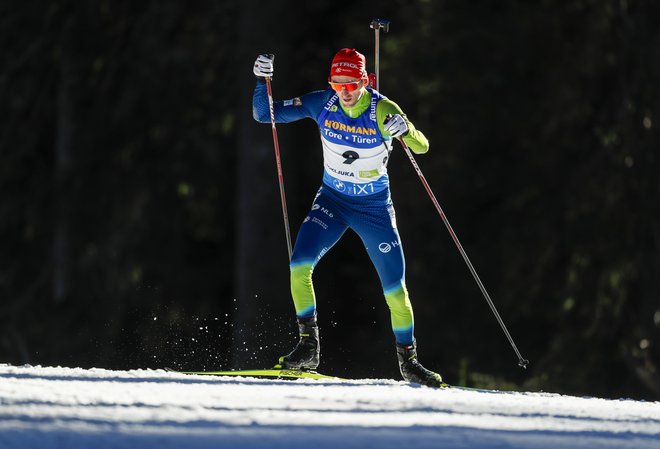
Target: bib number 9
x,y
350,156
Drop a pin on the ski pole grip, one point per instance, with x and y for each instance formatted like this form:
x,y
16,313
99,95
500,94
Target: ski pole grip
x,y
272,58
380,24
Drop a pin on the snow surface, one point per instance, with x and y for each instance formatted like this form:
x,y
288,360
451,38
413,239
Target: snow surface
x,y
48,408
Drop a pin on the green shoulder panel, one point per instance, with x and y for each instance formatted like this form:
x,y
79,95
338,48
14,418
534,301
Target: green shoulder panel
x,y
415,139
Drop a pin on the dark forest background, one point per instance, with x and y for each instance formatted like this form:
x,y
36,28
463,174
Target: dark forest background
x,y
140,222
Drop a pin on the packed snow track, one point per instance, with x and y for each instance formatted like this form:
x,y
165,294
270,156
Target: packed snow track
x,y
53,407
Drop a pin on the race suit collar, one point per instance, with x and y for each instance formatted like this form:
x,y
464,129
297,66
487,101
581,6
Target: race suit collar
x,y
359,107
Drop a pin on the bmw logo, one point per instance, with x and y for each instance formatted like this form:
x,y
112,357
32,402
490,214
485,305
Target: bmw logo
x,y
339,185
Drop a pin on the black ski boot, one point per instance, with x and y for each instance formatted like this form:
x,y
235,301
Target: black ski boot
x,y
413,371
306,354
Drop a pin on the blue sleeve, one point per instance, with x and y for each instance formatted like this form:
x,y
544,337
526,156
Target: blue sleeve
x,y
307,106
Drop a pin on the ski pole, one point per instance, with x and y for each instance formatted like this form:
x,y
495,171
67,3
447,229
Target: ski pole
x,y
377,25
521,361
280,175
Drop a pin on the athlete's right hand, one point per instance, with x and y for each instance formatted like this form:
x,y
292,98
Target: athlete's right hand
x,y
263,66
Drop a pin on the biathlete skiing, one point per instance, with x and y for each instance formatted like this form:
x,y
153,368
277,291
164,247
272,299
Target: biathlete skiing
x,y
357,126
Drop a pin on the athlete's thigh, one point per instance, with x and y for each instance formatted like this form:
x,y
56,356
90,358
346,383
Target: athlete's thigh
x,y
321,229
383,244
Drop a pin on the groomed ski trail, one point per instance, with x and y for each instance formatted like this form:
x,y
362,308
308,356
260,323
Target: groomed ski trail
x,y
53,407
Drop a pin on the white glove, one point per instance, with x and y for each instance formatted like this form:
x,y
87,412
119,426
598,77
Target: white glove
x,y
263,66
396,125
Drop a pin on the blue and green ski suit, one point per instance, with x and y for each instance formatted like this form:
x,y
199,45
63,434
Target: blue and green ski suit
x,y
354,194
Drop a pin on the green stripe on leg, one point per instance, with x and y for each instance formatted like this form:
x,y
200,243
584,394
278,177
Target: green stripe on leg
x,y
302,289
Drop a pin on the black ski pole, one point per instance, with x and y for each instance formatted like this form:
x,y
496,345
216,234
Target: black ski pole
x,y
522,362
278,161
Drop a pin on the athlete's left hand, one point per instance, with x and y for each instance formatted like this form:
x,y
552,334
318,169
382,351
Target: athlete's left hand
x,y
396,125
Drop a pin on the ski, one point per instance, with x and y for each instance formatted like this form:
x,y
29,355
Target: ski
x,y
273,373
293,374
